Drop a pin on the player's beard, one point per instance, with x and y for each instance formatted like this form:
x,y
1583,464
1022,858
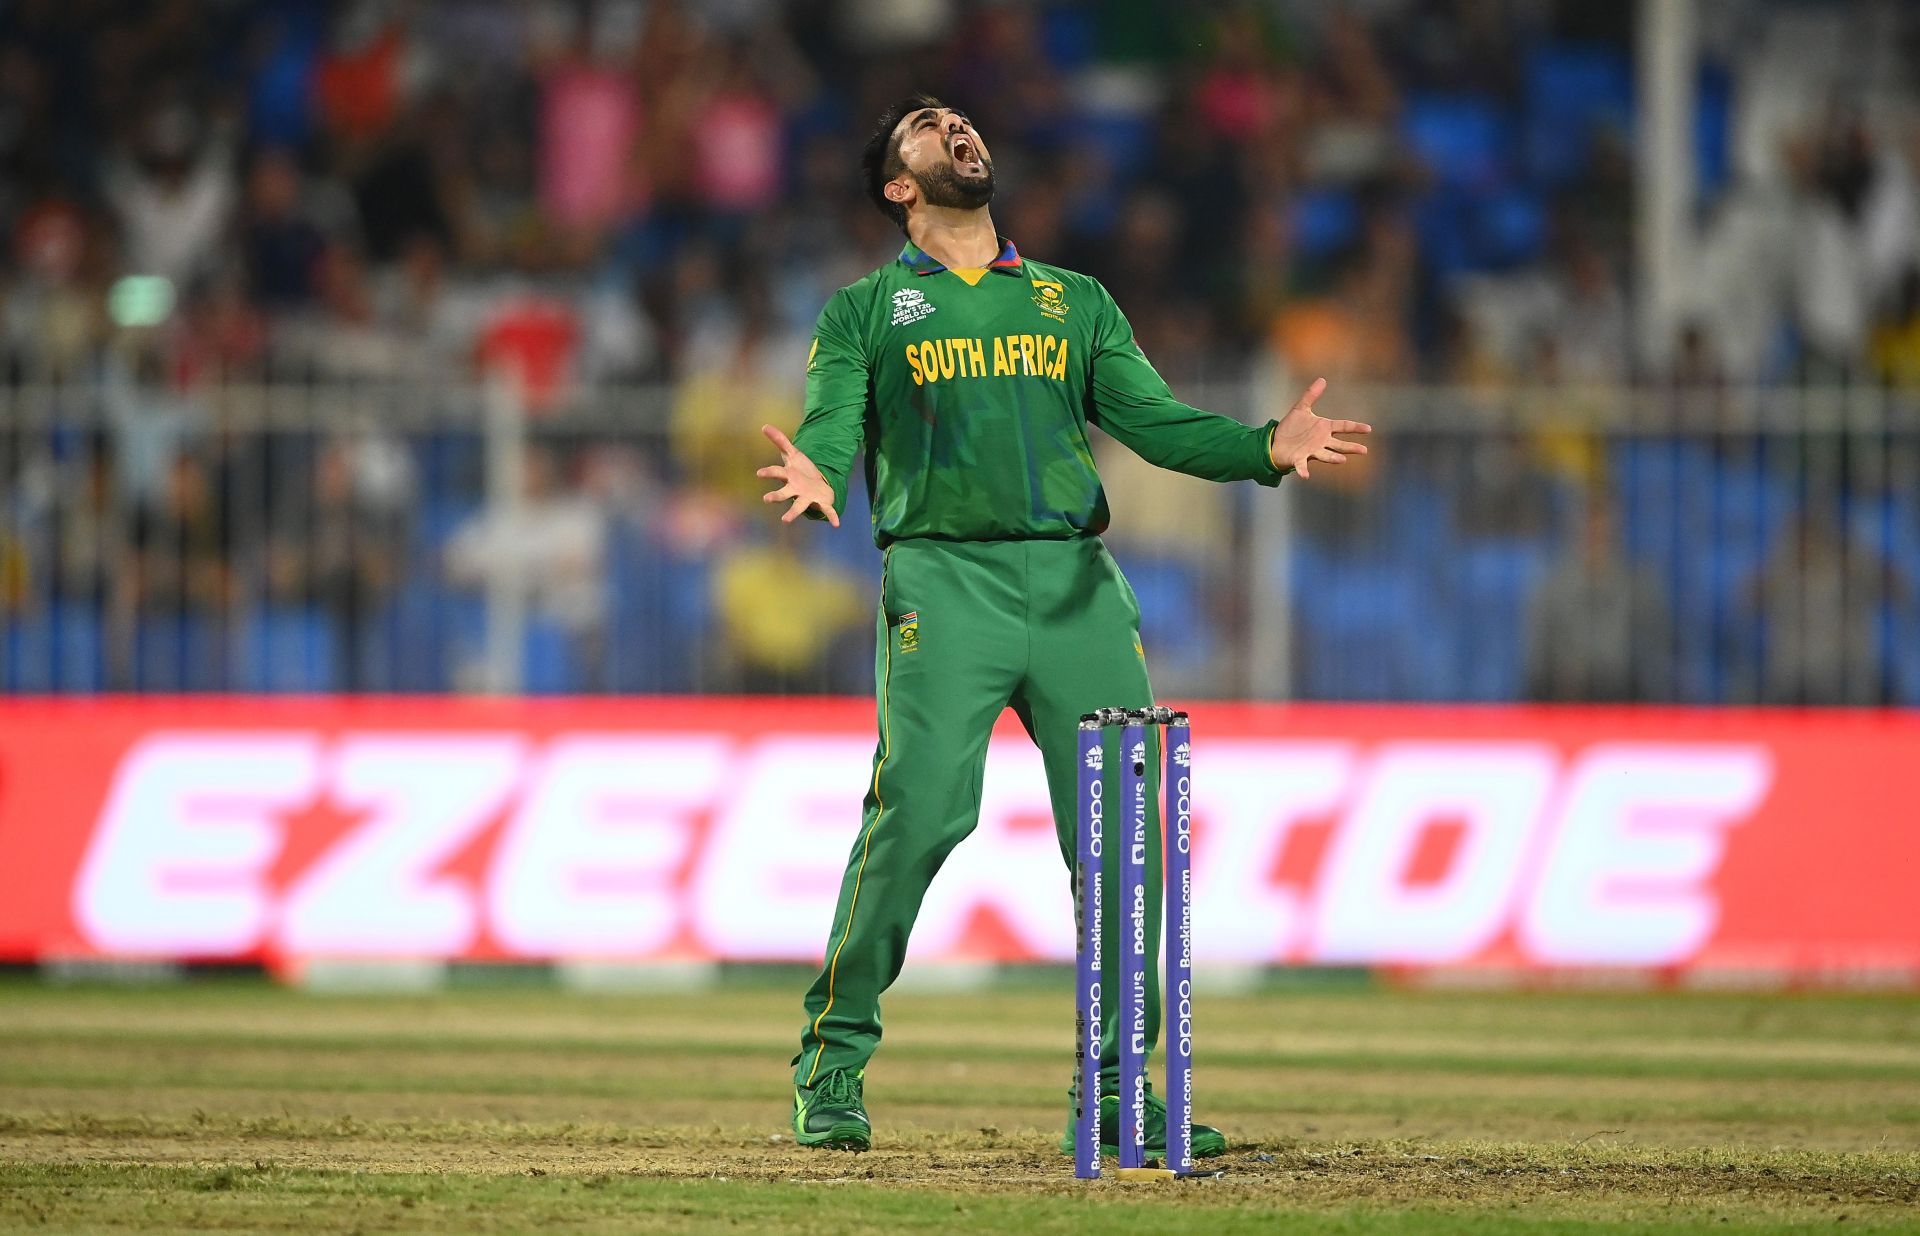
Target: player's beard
x,y
942,186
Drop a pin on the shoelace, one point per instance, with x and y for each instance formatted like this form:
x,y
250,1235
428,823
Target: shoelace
x,y
840,1088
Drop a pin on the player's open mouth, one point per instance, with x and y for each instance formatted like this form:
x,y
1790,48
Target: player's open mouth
x,y
963,152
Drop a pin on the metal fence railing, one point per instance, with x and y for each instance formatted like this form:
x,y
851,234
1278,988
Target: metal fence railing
x,y
1704,545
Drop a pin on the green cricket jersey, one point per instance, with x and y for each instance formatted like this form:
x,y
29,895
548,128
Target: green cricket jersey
x,y
972,394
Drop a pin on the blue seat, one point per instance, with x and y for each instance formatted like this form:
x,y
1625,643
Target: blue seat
x,y
1488,584
548,663
1463,139
1443,222
1571,91
1124,139
1712,129
1510,229
661,613
1888,525
1706,522
1069,37
177,652
1900,652
1175,626
1371,602
58,648
637,657
549,660
452,466
436,520
1325,221
404,647
288,648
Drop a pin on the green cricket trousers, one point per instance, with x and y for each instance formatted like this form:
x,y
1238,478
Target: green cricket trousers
x,y
966,629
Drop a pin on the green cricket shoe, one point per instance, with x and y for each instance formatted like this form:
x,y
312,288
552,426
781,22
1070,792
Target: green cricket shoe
x,y
1208,1142
829,1115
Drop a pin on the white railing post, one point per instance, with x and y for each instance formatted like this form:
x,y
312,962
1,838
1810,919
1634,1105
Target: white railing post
x,y
1664,188
506,591
1269,583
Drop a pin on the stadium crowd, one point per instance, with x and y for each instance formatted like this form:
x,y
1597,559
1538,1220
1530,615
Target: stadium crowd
x,y
575,196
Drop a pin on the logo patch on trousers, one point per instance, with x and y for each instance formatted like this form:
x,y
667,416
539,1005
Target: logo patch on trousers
x,y
910,632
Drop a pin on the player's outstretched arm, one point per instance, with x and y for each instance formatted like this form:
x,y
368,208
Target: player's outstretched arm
x,y
1131,401
1303,435
809,490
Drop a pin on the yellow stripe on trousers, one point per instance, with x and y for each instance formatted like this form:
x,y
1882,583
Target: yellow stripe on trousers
x,y
866,844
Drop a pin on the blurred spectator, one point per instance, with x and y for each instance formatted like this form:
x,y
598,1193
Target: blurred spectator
x,y
1858,225
552,550
357,83
1591,338
1499,489
150,423
284,247
53,315
1598,627
1360,332
354,528
1562,418
589,122
60,529
86,534
173,198
221,336
737,142
412,304
497,217
402,192
1830,283
740,379
1697,396
182,544
784,613
1817,606
346,339
1896,339
1337,179
530,342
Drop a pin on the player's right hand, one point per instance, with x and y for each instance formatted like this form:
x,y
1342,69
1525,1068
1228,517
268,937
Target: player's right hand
x,y
809,490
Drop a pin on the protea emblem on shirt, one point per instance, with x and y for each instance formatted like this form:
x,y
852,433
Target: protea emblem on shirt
x,y
1052,299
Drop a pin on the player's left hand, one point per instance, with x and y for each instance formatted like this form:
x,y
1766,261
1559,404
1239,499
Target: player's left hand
x,y
1304,435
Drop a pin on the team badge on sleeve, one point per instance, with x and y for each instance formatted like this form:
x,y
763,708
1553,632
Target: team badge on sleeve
x,y
1052,299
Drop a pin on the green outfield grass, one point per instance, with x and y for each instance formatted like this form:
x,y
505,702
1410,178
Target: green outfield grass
x,y
241,1107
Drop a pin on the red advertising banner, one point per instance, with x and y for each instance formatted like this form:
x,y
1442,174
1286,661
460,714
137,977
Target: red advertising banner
x,y
288,829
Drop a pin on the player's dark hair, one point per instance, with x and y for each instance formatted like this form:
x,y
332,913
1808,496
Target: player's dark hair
x,y
880,161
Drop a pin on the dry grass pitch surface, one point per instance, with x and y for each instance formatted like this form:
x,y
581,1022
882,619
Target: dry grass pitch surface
x,y
242,1107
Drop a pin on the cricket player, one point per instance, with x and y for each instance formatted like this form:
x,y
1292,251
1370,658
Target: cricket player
x,y
970,374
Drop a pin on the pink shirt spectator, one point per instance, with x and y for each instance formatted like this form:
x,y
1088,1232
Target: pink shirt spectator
x,y
1237,103
737,143
589,119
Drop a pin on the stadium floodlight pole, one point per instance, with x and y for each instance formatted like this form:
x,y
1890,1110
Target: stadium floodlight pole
x,y
1089,916
1177,997
1135,957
